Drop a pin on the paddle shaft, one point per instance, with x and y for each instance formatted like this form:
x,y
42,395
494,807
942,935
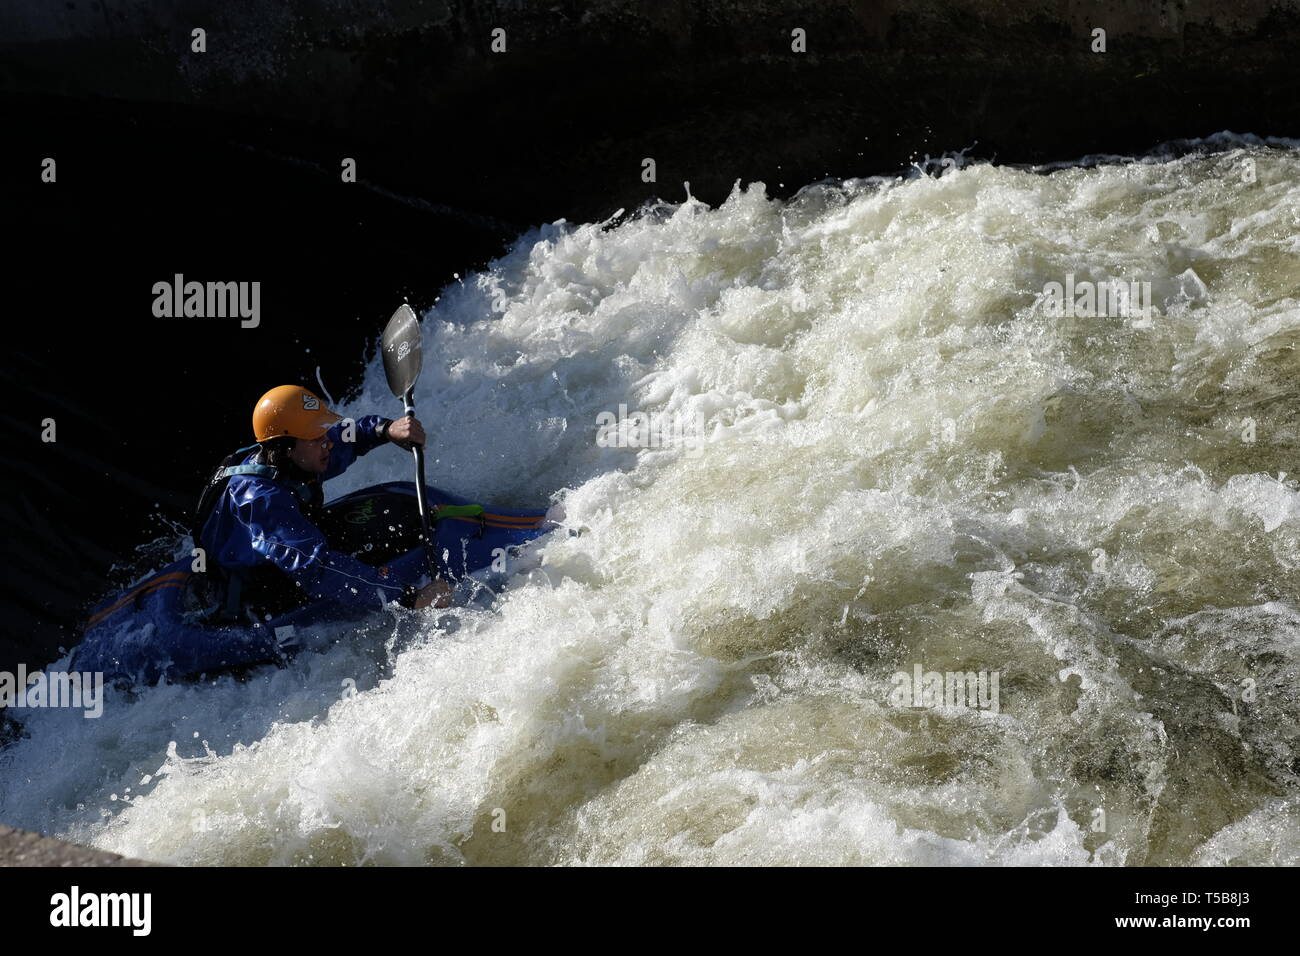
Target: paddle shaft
x,y
430,545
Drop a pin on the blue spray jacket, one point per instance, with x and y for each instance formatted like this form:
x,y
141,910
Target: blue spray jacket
x,y
259,519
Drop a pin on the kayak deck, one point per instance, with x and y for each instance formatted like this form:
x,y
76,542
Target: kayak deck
x,y
156,631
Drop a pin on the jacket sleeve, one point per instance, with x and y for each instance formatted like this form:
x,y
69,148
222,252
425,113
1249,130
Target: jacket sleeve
x,y
366,438
282,534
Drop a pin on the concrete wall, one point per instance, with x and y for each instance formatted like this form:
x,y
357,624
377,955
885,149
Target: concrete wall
x,y
559,124
20,848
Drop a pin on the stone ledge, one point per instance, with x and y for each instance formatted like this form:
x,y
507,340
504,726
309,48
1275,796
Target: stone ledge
x,y
21,848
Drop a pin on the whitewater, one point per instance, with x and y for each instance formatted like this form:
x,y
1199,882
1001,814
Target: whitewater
x,y
899,459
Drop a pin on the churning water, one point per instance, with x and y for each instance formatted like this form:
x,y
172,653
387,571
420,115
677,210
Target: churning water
x,y
882,456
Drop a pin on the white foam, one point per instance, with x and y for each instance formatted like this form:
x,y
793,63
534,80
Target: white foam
x,y
902,460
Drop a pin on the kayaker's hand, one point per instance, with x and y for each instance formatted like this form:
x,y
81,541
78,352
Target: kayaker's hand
x,y
406,432
438,594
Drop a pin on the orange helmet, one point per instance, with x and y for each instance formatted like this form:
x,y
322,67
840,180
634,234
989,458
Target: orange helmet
x,y
293,411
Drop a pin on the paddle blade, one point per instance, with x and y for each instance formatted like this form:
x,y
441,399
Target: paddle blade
x,y
400,346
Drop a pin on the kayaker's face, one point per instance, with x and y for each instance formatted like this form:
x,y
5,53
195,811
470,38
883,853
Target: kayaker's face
x,y
312,455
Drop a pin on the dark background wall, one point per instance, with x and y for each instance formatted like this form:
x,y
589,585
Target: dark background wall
x,y
558,124
225,166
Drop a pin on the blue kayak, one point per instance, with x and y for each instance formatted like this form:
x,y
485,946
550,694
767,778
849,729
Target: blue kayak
x,y
162,628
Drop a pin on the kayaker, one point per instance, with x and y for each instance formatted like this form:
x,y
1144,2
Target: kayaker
x,y
259,514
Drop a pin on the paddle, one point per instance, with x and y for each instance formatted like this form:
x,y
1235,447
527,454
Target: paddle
x,y
402,360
